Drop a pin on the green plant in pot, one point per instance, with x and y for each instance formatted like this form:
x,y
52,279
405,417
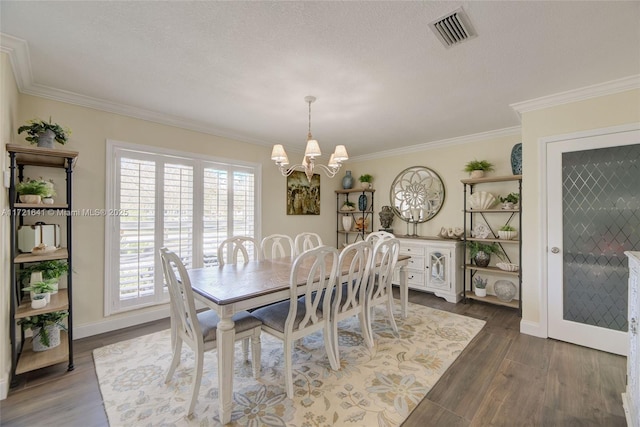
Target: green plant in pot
x,y
44,133
50,270
348,206
507,232
41,287
46,328
481,252
32,190
365,180
509,201
477,168
480,286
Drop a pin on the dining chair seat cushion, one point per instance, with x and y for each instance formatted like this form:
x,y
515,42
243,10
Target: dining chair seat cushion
x,y
274,316
209,320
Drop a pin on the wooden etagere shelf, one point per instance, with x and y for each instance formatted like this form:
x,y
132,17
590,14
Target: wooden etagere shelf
x,y
472,216
345,237
23,358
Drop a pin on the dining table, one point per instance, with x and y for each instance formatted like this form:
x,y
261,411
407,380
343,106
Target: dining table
x,y
231,288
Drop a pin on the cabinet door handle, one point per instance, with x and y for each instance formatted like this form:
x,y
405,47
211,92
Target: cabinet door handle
x,y
633,326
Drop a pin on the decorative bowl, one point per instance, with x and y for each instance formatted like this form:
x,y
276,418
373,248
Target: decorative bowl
x,y
507,266
481,200
451,232
505,290
507,235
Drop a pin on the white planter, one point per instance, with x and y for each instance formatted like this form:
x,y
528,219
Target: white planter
x,y
477,174
507,235
54,338
481,292
31,199
38,302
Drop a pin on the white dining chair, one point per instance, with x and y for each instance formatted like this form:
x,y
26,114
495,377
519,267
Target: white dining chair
x,y
198,330
351,290
238,248
307,240
379,291
297,317
277,246
377,235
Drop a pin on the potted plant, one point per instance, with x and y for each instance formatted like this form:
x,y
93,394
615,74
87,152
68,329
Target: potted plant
x,y
507,232
348,206
481,252
44,133
46,328
477,168
480,286
50,270
510,201
32,191
365,181
41,287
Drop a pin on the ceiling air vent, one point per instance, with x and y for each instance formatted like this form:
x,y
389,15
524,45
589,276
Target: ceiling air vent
x,y
453,29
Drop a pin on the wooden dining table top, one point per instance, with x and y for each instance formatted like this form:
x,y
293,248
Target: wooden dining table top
x,y
232,283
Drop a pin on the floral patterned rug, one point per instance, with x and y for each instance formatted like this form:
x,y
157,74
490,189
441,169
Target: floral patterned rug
x,y
378,387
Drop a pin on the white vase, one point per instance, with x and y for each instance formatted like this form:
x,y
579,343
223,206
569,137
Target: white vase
x,y
347,222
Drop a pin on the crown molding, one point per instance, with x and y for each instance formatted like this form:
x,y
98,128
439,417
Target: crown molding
x,y
467,139
580,94
18,51
19,58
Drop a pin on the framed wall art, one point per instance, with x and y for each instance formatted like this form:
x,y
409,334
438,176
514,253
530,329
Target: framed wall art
x,y
303,197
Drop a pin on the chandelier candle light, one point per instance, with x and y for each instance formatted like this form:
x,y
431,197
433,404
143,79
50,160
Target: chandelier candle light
x,y
310,153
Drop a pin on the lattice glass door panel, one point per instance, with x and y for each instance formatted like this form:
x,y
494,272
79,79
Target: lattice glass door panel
x,y
438,272
601,220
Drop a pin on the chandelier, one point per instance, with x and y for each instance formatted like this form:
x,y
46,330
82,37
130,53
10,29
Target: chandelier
x,y
312,151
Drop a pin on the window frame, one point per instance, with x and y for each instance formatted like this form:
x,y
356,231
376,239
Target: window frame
x,y
115,150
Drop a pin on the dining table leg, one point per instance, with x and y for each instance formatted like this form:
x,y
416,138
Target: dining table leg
x,y
404,291
225,335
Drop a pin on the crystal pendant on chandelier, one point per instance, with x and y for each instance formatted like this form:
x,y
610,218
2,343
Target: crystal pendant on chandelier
x,y
308,165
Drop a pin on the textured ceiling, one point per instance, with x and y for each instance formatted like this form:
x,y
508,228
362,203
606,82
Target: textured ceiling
x,y
382,79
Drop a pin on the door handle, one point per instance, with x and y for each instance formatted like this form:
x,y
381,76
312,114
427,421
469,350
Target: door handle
x,y
555,250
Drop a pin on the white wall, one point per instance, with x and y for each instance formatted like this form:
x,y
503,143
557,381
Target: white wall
x,y
595,113
8,116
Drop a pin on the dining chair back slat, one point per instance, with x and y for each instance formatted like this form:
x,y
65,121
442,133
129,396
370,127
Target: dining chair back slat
x,y
238,249
277,246
307,240
374,237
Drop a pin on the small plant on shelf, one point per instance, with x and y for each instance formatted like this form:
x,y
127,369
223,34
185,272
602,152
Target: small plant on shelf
x,y
36,128
481,252
507,232
348,206
50,269
477,168
41,287
511,198
365,180
507,227
480,286
41,325
32,187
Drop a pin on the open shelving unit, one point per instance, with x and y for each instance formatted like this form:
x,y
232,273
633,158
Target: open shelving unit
x,y
23,358
471,216
349,236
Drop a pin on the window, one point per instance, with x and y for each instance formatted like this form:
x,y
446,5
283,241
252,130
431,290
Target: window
x,y
159,198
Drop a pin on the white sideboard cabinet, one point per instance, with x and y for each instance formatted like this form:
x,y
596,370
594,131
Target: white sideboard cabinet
x,y
631,396
435,266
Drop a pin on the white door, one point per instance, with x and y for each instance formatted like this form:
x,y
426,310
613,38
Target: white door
x,y
593,216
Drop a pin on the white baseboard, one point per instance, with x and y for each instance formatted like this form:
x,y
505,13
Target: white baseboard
x,y
533,328
119,323
4,388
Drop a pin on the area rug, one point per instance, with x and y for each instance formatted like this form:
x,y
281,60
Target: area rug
x,y
377,387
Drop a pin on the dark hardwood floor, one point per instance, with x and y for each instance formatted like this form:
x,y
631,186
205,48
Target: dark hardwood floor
x,y
503,378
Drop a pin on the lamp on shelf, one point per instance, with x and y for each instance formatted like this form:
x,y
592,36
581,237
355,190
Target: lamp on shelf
x,y
312,151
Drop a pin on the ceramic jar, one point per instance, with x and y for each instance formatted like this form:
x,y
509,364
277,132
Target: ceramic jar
x,y
347,181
